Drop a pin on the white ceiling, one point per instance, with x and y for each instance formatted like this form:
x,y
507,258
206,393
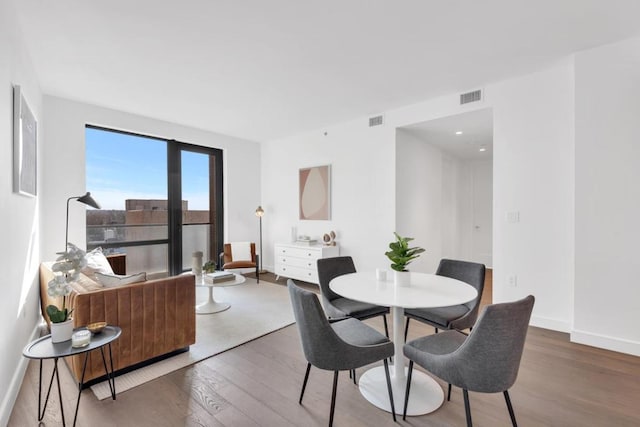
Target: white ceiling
x,y
264,69
477,132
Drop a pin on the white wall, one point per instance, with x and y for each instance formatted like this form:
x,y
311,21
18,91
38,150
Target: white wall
x,y
363,189
533,174
607,292
64,169
19,252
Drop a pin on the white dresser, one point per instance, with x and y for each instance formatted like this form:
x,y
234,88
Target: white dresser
x,y
299,261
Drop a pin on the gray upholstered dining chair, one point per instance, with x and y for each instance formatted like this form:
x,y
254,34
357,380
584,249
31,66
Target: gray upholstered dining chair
x,y
337,306
460,316
486,361
343,345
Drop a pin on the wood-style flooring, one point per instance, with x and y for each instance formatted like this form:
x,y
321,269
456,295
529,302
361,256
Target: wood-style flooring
x,y
258,384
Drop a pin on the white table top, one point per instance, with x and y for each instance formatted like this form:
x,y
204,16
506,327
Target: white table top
x,y
425,290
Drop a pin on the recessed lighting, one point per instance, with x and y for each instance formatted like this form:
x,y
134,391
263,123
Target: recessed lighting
x,y
459,132
482,149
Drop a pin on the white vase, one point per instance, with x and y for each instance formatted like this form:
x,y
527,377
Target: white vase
x,y
62,331
402,278
196,263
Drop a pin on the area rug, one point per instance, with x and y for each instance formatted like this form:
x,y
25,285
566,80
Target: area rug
x,y
256,310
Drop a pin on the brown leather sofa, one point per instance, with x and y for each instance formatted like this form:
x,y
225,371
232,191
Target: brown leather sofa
x,y
157,318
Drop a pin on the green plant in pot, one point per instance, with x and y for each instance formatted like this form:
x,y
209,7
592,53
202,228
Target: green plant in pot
x,y
401,255
209,267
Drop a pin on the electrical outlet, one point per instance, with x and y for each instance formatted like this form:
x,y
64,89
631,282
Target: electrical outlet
x,y
513,281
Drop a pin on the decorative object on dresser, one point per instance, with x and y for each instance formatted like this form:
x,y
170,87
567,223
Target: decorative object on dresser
x,y
329,238
299,261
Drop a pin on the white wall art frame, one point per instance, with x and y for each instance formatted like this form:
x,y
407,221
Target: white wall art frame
x,y
315,193
25,146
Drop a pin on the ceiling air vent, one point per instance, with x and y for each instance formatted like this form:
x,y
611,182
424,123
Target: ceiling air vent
x,y
375,121
474,96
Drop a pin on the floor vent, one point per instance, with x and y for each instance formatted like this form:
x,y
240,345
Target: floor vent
x,y
468,97
376,121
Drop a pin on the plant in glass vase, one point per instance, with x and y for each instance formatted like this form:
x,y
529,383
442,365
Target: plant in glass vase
x,y
66,270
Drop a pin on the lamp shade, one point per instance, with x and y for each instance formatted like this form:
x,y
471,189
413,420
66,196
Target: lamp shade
x,y
259,211
89,201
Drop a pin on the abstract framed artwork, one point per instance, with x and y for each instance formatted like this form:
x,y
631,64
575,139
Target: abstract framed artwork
x,y
25,146
315,192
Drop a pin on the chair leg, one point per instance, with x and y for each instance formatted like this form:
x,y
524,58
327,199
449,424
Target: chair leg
x,y
393,407
386,328
406,393
511,414
304,384
333,397
467,408
353,375
449,393
406,329
436,330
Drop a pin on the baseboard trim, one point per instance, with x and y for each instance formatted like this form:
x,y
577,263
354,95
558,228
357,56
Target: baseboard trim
x,y
606,342
553,324
16,382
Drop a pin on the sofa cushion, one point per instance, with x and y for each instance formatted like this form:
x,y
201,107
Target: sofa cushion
x,y
96,263
113,280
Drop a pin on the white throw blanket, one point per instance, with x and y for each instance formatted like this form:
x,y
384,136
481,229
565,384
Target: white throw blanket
x,y
241,251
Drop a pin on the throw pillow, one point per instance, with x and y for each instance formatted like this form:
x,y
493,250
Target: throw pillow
x,y
96,263
113,280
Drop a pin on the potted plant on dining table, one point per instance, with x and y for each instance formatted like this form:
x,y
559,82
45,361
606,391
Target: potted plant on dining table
x,y
401,255
66,270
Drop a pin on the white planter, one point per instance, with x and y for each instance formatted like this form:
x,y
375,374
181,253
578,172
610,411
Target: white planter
x,y
62,331
402,278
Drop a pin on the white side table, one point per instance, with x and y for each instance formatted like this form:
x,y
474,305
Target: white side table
x,y
211,305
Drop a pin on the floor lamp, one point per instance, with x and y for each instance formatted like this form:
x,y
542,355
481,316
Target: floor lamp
x,y
87,200
260,214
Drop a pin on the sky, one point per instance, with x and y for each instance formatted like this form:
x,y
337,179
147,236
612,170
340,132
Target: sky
x,y
122,166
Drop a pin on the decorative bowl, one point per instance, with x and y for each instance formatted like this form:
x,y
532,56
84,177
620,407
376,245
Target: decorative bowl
x,y
97,327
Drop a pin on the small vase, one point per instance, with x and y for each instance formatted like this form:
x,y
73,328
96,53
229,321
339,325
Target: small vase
x,y
62,331
402,278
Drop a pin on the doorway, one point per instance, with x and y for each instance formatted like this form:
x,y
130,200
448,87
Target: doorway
x,y
444,187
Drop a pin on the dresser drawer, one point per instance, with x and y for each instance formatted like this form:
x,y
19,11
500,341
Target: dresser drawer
x,y
297,262
303,274
310,253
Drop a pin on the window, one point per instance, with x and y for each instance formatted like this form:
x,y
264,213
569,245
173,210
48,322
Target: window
x,y
161,200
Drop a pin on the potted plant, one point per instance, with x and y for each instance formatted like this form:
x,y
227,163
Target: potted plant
x,y
209,266
401,255
66,270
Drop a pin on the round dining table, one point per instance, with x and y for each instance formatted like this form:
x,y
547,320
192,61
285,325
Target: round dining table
x,y
422,291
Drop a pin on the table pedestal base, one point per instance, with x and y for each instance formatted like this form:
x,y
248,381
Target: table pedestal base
x,y
425,397
211,306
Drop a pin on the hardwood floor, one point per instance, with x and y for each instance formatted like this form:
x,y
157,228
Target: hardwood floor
x,y
258,384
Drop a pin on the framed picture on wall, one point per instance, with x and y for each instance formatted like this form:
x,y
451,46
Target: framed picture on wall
x,y
25,146
315,192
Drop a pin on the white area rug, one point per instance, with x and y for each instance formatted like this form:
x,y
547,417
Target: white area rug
x,y
256,310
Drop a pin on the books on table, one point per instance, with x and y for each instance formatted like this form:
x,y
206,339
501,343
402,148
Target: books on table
x,y
219,276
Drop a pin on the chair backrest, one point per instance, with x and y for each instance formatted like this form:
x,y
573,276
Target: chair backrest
x,y
489,359
329,269
320,344
471,273
228,257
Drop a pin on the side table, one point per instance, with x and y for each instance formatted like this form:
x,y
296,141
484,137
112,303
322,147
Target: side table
x,y
211,305
43,348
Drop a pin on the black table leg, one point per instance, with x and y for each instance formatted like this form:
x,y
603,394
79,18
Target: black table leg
x,y
54,374
84,368
110,379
